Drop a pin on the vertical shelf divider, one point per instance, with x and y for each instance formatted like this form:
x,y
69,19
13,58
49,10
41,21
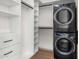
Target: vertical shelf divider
x,y
36,28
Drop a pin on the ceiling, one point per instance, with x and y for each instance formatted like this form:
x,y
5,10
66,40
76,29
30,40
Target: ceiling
x,y
46,1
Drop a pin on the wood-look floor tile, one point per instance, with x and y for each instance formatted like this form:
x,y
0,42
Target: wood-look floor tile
x,y
41,54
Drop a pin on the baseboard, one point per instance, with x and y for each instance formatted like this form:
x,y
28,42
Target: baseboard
x,y
34,54
43,49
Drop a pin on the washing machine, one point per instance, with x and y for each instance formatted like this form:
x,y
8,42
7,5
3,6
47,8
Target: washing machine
x,y
65,45
65,18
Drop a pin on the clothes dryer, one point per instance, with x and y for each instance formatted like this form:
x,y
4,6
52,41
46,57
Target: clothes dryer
x,y
65,18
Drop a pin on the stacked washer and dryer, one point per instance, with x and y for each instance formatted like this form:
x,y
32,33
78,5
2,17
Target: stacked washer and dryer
x,y
65,31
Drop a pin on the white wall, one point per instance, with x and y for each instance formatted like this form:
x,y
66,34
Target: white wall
x,y
46,16
46,39
76,1
46,20
27,32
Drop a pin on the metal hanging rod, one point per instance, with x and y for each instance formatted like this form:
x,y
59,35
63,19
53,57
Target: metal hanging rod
x,y
26,5
45,28
45,5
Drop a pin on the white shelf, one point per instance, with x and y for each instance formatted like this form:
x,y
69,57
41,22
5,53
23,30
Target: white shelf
x,y
36,9
36,33
36,22
4,31
6,13
36,28
36,36
36,42
9,2
36,48
36,16
36,25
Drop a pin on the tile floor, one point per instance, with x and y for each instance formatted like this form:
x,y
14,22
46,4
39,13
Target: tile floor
x,y
43,54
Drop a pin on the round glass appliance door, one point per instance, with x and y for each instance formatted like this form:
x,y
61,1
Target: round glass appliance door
x,y
65,46
64,15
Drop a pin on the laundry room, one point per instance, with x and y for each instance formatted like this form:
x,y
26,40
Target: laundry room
x,y
38,29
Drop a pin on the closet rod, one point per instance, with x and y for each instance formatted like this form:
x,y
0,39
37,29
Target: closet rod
x,y
45,5
26,5
45,28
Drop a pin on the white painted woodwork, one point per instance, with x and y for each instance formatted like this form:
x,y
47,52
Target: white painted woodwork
x,y
27,31
10,29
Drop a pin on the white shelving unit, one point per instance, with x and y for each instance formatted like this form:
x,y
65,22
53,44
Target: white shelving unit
x,y
9,11
18,24
10,2
10,29
36,28
27,31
